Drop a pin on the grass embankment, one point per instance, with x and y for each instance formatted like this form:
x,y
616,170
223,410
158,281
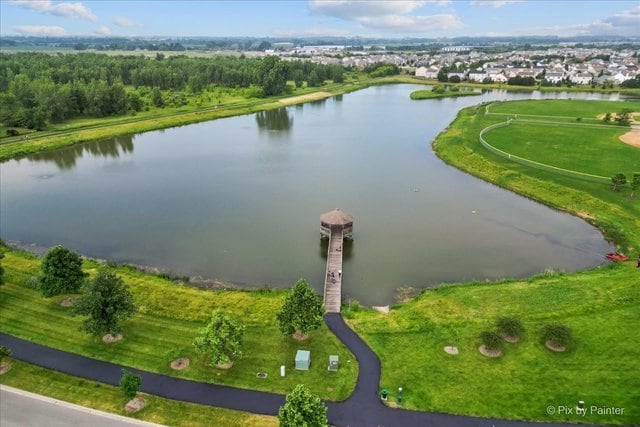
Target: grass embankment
x,y
169,318
601,306
109,399
198,110
447,93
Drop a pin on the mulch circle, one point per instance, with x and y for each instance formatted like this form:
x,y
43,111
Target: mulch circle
x,y
510,338
4,368
299,336
135,404
555,347
180,364
262,375
224,365
108,339
450,349
489,353
67,302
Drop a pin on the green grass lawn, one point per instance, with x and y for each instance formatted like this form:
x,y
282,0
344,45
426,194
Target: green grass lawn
x,y
601,306
587,149
562,107
430,94
109,399
169,318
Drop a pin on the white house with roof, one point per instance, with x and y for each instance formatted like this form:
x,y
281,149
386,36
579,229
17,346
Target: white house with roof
x,y
554,76
429,73
581,78
477,76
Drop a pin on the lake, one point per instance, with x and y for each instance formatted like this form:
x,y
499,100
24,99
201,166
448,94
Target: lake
x,y
239,199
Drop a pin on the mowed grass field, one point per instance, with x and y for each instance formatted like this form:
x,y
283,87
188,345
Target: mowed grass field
x,y
563,107
587,149
169,318
601,306
109,399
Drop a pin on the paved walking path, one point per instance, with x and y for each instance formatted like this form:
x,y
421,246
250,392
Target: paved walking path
x,y
362,408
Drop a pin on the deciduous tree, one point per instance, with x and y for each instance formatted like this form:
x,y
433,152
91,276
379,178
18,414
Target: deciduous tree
x,y
107,301
221,339
302,408
618,180
130,384
302,310
61,272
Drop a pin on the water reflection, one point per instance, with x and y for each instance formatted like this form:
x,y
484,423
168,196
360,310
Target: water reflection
x,y
274,120
66,158
337,98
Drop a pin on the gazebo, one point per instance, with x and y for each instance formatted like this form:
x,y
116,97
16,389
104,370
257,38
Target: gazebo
x,y
336,220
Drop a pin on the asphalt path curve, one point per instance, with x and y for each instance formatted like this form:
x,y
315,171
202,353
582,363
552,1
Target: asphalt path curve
x,y
362,408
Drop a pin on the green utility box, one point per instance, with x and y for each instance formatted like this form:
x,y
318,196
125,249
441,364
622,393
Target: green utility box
x,y
303,360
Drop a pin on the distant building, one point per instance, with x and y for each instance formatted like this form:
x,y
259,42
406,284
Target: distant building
x,y
430,73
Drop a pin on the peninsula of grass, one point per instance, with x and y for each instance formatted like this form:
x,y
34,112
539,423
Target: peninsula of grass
x,y
168,320
109,399
600,305
444,93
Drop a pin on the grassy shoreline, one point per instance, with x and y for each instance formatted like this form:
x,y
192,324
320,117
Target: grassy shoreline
x,y
91,130
430,94
598,304
168,320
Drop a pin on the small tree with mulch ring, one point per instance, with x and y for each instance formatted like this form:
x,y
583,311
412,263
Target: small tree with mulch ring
x,y
557,337
130,384
4,353
491,341
510,329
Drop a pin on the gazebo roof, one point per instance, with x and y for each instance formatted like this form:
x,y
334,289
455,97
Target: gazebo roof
x,y
336,217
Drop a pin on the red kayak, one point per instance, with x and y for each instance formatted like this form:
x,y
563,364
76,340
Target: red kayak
x,y
614,256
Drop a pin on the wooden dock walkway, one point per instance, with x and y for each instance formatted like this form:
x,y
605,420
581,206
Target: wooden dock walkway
x,y
333,275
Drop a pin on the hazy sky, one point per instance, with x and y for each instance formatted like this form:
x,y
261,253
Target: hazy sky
x,y
430,18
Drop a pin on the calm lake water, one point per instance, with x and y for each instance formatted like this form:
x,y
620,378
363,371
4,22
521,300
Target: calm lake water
x,y
239,199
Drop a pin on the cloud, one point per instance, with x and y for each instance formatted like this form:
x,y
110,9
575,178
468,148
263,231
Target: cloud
x,y
312,32
122,21
492,3
388,15
413,24
39,30
625,23
103,31
66,10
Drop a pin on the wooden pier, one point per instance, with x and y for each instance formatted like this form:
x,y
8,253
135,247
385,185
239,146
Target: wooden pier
x,y
336,225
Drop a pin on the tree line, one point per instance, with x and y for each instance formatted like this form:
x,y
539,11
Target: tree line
x,y
37,88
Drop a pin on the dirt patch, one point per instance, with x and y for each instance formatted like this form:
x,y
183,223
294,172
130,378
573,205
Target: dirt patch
x,y
299,336
584,215
304,98
450,349
382,309
489,353
510,338
134,405
180,364
631,138
555,347
224,365
4,368
67,302
108,339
